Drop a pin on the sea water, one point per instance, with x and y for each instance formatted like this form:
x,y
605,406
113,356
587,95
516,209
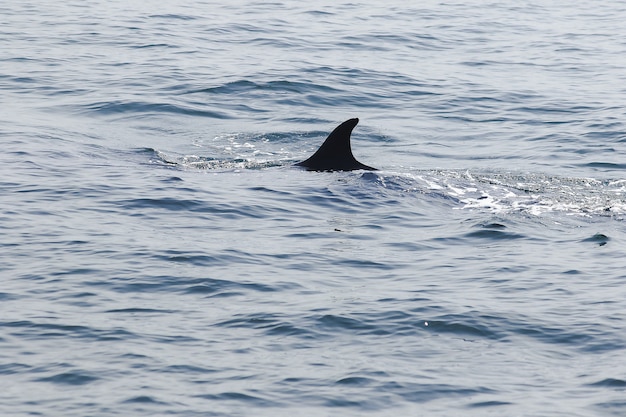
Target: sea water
x,y
160,255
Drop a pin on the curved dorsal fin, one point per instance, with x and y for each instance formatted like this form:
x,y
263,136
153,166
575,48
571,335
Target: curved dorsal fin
x,y
335,154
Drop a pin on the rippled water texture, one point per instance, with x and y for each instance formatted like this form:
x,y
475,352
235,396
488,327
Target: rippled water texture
x,y
160,255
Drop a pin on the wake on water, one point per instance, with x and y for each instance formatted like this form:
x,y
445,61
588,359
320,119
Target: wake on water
x,y
496,192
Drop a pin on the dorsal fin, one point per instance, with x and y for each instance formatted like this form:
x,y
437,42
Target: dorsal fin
x,y
335,154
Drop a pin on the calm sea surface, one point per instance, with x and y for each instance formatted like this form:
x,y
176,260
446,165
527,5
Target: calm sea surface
x,y
160,256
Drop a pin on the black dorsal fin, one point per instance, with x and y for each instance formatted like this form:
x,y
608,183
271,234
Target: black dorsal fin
x,y
335,154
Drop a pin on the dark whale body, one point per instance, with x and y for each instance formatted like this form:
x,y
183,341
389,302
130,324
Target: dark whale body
x,y
335,154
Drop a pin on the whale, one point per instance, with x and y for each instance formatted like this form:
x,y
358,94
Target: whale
x,y
335,154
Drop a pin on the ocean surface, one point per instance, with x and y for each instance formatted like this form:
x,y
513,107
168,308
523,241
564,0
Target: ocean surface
x,y
161,256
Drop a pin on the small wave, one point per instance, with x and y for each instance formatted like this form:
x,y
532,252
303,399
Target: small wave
x,y
8,296
355,381
610,383
599,238
271,324
246,86
251,400
609,165
134,108
71,378
494,235
484,404
172,16
140,311
342,323
14,368
478,327
35,330
143,399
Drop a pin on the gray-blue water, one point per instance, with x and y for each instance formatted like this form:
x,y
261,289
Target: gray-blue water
x,y
160,256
